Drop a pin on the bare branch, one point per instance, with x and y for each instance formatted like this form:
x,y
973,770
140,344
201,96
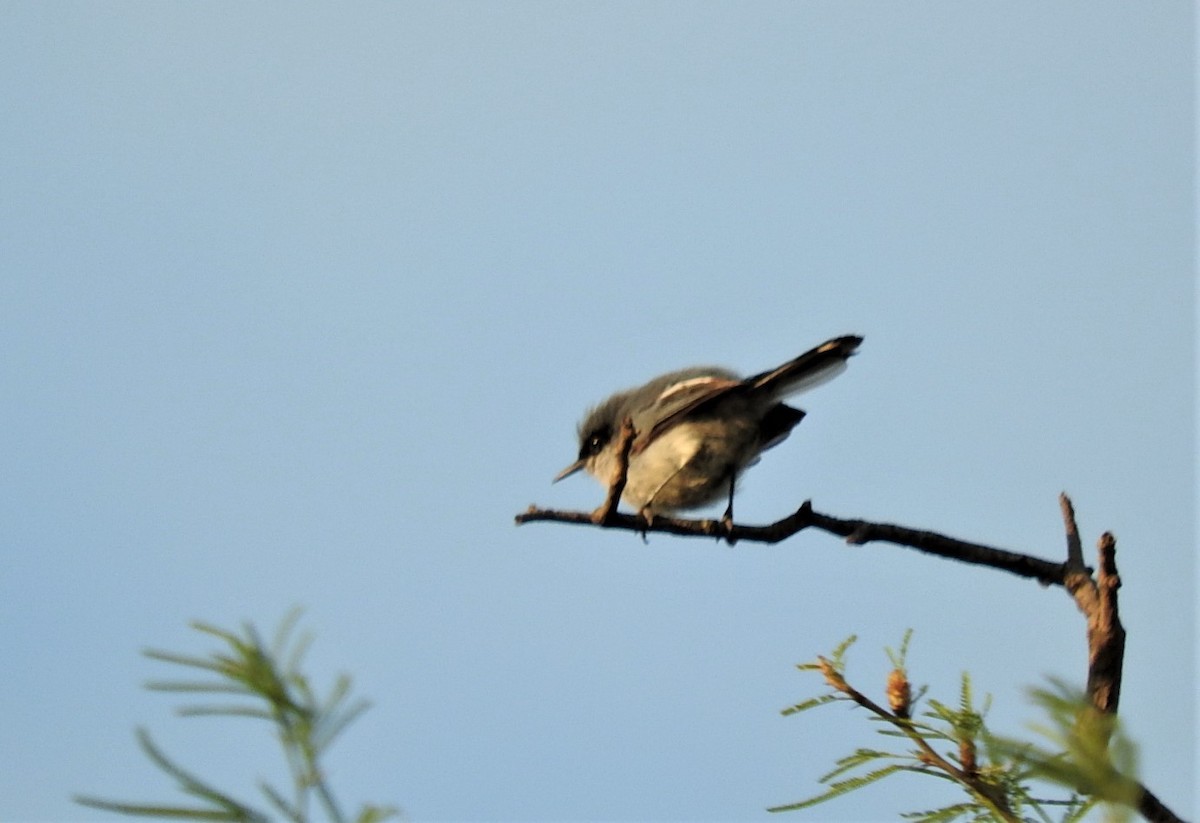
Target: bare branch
x,y
855,531
1106,635
1074,546
1078,578
1095,597
1151,808
1023,565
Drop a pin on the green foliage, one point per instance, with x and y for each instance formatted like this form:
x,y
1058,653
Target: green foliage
x,y
1090,753
952,742
900,658
965,722
836,659
841,787
277,692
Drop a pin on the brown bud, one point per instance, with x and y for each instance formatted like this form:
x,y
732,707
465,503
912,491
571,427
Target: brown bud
x,y
832,676
966,754
899,693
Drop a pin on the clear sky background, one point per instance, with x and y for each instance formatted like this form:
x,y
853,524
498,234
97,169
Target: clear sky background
x,y
301,304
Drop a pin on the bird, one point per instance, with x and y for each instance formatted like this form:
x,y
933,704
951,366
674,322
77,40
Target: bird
x,y
697,429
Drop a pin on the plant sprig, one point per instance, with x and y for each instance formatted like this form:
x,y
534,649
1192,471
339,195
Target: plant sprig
x,y
274,689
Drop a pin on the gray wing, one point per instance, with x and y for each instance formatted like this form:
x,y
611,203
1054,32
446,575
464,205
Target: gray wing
x,y
687,391
680,394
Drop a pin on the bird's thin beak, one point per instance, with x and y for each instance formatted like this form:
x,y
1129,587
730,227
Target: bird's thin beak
x,y
569,470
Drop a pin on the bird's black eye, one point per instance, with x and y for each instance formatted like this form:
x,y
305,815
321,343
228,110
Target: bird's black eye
x,y
595,441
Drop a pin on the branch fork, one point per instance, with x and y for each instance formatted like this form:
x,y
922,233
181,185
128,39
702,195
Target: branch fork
x,y
1094,591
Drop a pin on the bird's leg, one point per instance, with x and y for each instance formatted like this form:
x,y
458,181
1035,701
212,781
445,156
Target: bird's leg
x,y
620,474
647,514
727,518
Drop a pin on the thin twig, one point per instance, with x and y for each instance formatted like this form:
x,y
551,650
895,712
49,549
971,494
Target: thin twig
x,y
1074,544
1153,809
1096,598
855,531
988,795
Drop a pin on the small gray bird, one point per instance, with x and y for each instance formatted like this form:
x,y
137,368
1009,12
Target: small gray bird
x,y
697,429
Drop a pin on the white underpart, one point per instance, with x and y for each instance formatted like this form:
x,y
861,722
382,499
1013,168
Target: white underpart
x,y
675,449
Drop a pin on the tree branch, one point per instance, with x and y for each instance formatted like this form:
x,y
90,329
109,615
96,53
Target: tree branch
x,y
1095,597
986,793
856,532
1153,809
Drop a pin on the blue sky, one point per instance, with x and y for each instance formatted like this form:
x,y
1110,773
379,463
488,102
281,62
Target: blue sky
x,y
300,305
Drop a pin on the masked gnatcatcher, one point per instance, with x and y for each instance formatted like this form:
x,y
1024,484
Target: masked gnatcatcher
x,y
697,429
